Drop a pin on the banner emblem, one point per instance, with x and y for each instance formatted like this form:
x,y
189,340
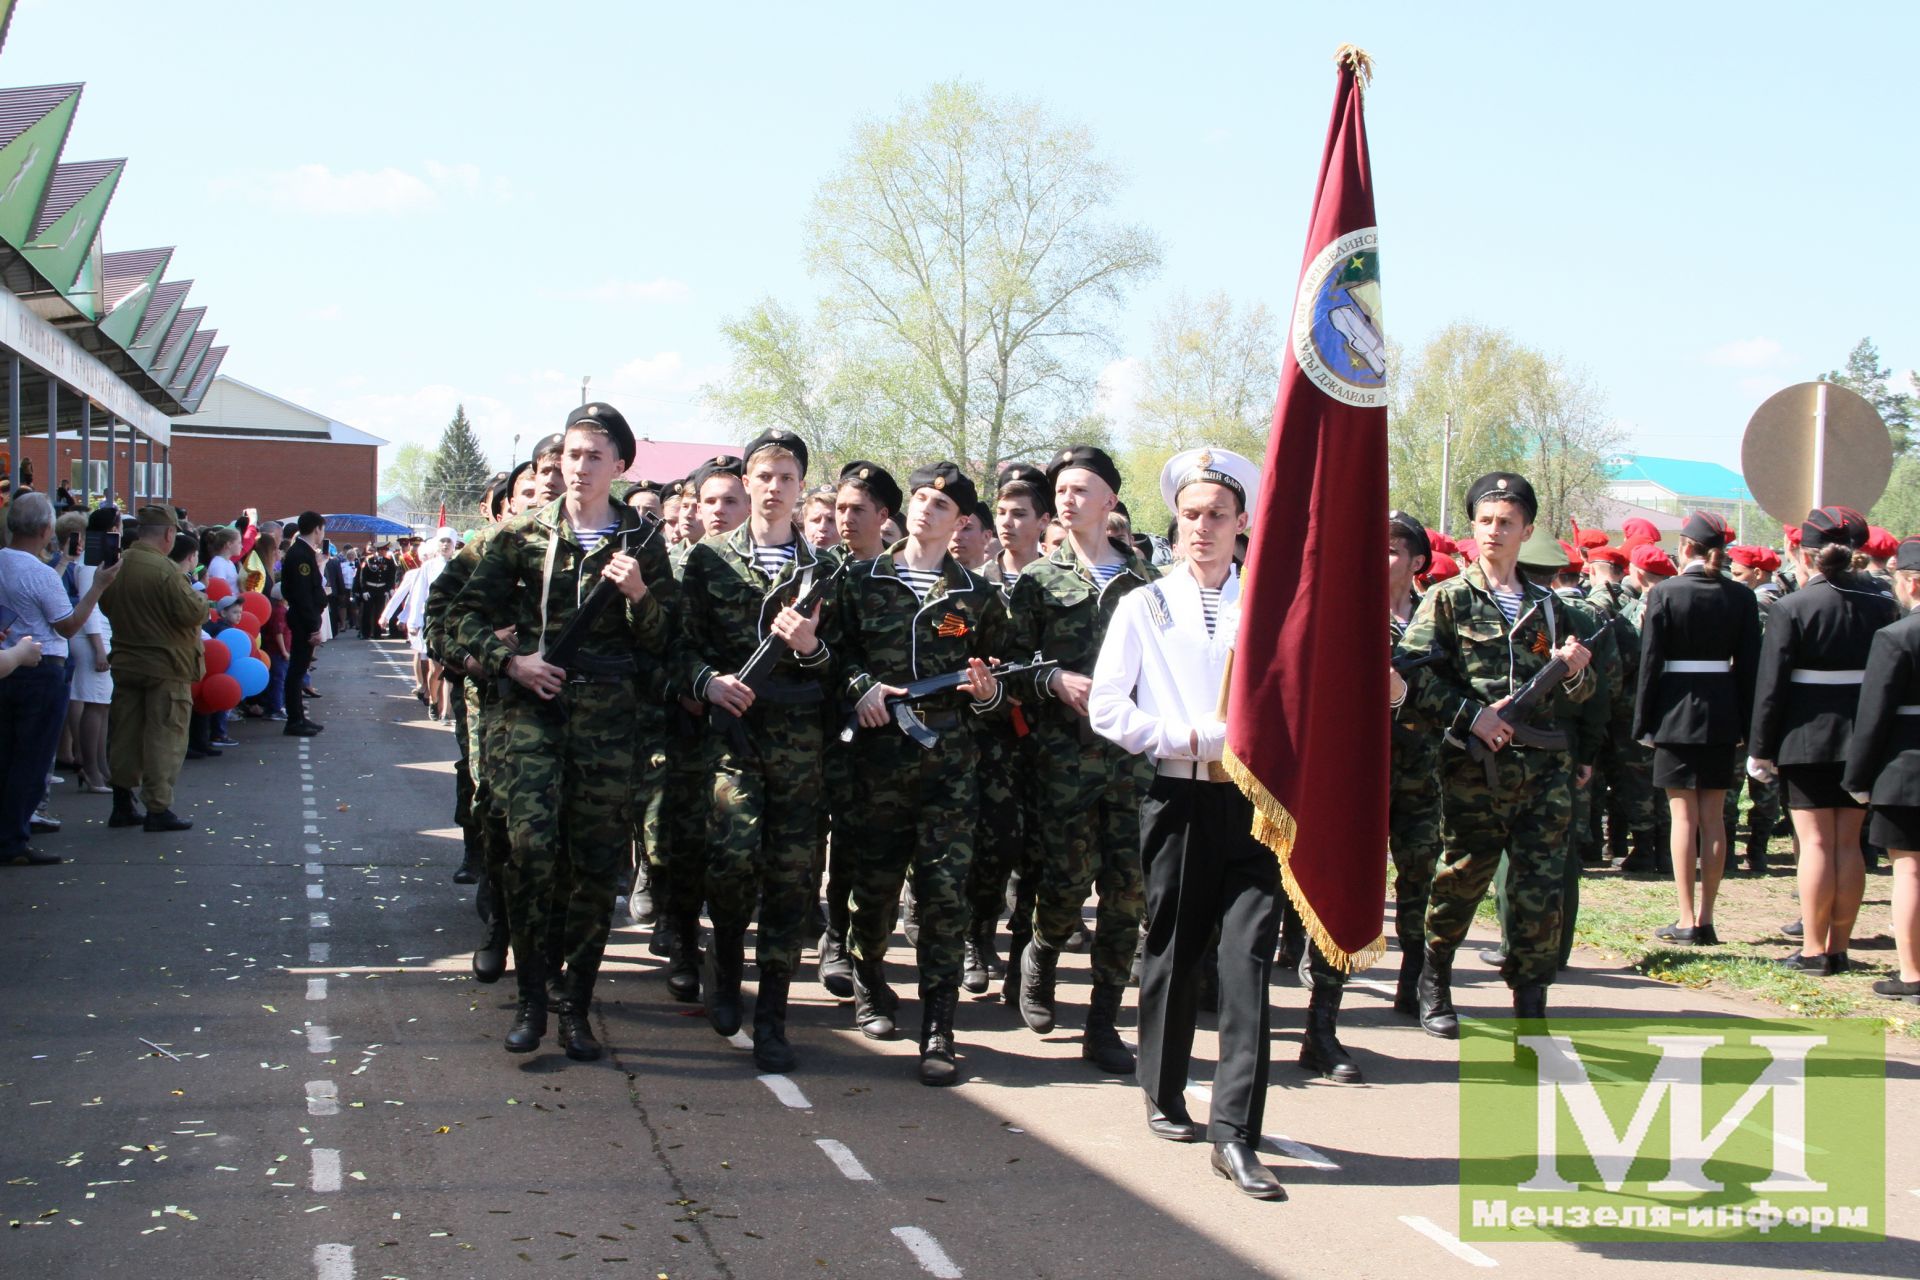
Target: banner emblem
x,y
1339,340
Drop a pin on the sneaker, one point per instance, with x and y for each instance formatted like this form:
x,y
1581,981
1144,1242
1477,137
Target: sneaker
x,y
55,780
1676,933
226,742
276,715
1813,966
44,824
28,856
1897,989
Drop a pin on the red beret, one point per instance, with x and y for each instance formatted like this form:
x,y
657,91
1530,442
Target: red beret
x,y
1653,560
1440,542
1770,560
1608,555
1442,568
1574,560
1881,544
1467,549
1591,537
1641,528
1752,557
1793,535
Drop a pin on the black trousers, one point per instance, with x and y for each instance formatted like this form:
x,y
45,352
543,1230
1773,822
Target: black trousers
x,y
1204,869
372,605
297,674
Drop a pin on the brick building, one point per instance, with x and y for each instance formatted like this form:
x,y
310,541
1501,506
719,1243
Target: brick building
x,y
249,448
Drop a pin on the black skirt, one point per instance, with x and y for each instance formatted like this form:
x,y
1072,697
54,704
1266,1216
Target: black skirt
x,y
1895,826
1816,786
1685,766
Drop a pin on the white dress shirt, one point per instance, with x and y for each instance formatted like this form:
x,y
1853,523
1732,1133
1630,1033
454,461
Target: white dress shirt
x,y
1156,684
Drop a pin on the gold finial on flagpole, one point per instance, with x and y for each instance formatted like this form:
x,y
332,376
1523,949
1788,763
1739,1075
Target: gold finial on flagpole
x,y
1356,59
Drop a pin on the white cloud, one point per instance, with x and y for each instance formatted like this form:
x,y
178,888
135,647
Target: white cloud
x,y
1746,353
1118,390
659,289
319,190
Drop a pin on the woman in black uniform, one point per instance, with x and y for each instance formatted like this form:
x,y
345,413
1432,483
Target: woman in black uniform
x,y
1699,654
1883,764
1811,666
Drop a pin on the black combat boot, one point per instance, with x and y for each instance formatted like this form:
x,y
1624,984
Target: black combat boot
x,y
683,963
125,812
1530,1001
973,966
468,872
530,1021
1406,996
836,968
1016,946
164,820
641,908
1293,938
874,1002
910,915
1322,1051
983,943
490,957
726,962
1101,1044
1757,853
937,1006
576,1031
1037,964
771,1052
1437,1017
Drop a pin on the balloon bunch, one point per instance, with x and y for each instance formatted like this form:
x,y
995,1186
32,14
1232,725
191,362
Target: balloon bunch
x,y
236,664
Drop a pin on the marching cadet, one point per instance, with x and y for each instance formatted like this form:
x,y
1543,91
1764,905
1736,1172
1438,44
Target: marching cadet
x,y
567,733
1088,789
867,497
737,593
1811,666
1156,694
1494,631
466,814
1002,875
915,613
1413,799
714,505
1699,654
1883,764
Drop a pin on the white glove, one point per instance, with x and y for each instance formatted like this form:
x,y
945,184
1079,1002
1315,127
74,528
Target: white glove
x,y
1761,770
1861,797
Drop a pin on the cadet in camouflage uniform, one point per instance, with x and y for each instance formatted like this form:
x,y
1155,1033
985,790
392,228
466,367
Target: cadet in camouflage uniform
x,y
1413,797
566,764
1088,788
1623,786
737,593
912,614
1494,630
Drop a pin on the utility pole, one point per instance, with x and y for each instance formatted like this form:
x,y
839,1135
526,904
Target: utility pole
x,y
583,387
1446,468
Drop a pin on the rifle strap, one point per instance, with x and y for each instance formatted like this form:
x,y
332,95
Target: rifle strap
x,y
546,585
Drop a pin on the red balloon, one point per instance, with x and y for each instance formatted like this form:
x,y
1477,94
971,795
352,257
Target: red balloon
x,y
216,694
261,654
218,588
256,606
249,624
218,656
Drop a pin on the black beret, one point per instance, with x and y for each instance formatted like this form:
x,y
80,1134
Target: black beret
x,y
648,486
1502,486
1708,528
948,479
1028,474
778,438
513,477
1842,525
1084,457
548,444
720,464
1907,555
608,419
1410,528
984,514
876,480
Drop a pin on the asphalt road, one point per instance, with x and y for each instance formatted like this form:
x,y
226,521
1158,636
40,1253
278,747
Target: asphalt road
x,y
255,1050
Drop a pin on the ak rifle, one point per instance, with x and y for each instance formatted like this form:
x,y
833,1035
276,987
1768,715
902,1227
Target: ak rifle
x,y
1524,701
908,721
761,662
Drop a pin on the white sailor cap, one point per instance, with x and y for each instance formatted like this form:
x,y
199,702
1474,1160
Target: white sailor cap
x,y
445,534
1209,466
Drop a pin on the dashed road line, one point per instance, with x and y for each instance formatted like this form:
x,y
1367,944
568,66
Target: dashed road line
x,y
319,1039
316,988
318,953
323,1098
333,1262
315,869
843,1159
326,1170
787,1091
316,891
928,1253
1448,1241
319,920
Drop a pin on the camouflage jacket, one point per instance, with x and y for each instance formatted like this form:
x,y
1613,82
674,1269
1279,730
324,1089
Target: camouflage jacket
x,y
881,632
1415,737
1059,610
445,588
1484,659
504,591
1587,723
726,602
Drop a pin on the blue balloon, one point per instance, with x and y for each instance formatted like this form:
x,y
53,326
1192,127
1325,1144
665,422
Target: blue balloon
x,y
238,641
251,673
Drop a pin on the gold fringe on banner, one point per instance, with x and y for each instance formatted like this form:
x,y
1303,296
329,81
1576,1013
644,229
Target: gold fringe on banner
x,y
1274,827
1358,59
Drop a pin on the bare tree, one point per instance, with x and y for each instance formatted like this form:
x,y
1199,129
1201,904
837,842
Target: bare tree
x,y
1562,418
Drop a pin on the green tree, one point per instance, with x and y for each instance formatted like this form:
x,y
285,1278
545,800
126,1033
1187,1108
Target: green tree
x,y
968,271
1865,375
459,467
1899,507
406,476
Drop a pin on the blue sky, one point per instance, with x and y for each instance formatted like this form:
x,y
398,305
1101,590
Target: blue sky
x,y
393,207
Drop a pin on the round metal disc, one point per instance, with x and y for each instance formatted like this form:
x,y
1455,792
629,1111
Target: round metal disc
x,y
1776,456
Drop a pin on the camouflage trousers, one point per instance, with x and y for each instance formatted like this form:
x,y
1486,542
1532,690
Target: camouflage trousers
x,y
838,830
1414,839
567,786
1570,874
1626,770
1000,826
649,788
1762,813
489,811
686,805
1089,803
465,816
766,815
1524,817
916,814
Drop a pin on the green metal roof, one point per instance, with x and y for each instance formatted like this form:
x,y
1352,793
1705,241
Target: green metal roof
x,y
1682,477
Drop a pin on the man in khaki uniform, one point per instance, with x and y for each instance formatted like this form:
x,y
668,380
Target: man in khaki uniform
x,y
156,617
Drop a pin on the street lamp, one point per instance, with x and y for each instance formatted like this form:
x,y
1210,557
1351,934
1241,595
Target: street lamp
x,y
583,387
513,456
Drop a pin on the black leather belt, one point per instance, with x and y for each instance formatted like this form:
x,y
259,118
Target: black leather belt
x,y
790,693
941,720
589,669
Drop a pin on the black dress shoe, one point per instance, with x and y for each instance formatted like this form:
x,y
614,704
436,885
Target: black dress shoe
x,y
31,857
1676,932
301,729
1161,1125
465,873
1240,1164
1704,935
165,820
1492,957
1813,966
1837,962
1897,989
1794,929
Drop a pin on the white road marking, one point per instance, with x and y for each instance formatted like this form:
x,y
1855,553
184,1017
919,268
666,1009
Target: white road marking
x,y
316,988
927,1252
318,952
306,786
315,869
323,1098
1300,1151
1203,1092
1373,985
326,1170
316,891
333,1262
310,814
787,1091
309,830
740,1040
313,850
843,1159
1448,1241
319,920
319,1039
